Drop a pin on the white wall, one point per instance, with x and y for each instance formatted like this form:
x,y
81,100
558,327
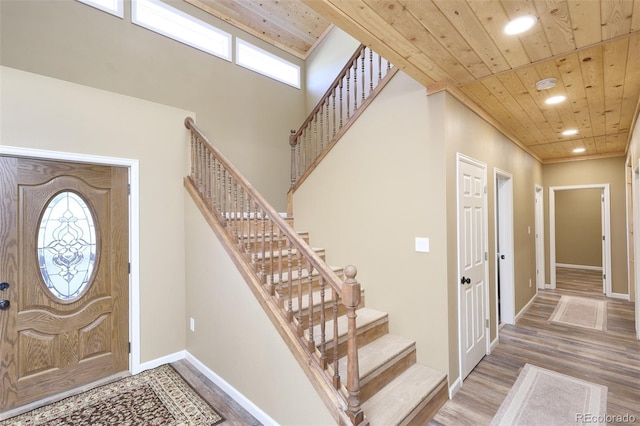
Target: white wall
x,y
325,62
234,336
44,113
381,186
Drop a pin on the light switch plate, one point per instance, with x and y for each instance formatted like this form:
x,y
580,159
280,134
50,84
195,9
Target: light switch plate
x,y
422,245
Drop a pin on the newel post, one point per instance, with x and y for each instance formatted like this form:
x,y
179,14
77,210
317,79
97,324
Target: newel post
x,y
292,143
351,299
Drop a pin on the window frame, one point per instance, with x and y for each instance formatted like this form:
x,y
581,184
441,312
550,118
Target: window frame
x,y
198,26
117,11
243,43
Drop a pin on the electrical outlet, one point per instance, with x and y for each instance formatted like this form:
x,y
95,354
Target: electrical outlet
x,y
192,323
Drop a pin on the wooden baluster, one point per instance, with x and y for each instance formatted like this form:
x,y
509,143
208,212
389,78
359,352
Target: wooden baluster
x,y
208,175
272,288
351,299
193,157
328,129
299,289
255,227
314,143
379,68
323,325
354,65
289,282
263,230
364,82
246,209
348,76
292,143
321,131
311,344
340,104
235,210
300,169
223,193
370,71
336,359
334,113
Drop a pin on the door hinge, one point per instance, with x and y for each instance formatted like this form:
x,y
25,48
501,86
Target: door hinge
x,y
129,347
486,322
129,267
603,238
129,188
486,256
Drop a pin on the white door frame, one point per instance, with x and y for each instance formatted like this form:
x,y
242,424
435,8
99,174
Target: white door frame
x,y
504,240
539,236
635,188
134,228
485,222
606,232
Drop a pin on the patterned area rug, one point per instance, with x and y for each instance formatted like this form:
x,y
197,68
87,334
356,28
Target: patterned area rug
x,y
153,397
581,312
544,397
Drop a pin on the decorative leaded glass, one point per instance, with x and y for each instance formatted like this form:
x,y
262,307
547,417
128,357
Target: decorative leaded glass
x,y
67,245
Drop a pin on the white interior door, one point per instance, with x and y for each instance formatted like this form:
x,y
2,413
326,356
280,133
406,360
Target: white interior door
x,y
539,230
472,280
504,244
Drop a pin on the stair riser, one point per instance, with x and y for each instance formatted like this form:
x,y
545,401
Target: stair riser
x,y
425,412
378,379
363,337
328,311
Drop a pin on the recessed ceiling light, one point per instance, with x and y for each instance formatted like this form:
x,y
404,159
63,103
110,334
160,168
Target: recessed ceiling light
x,y
570,132
520,24
555,99
579,150
546,83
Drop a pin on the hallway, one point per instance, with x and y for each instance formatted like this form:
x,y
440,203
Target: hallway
x,y
611,359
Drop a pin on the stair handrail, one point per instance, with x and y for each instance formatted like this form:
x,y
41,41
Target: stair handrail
x,y
202,177
321,137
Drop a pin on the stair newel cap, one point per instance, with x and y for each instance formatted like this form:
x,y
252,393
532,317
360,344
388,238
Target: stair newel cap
x,y
351,287
292,138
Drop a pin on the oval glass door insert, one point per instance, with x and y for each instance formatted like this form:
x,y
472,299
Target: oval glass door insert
x,y
67,245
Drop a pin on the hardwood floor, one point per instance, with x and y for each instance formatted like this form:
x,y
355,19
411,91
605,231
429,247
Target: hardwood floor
x,y
610,358
232,412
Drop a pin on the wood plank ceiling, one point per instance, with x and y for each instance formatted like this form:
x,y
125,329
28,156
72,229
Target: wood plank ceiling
x,y
592,48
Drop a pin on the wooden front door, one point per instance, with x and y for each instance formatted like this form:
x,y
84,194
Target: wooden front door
x,y
64,298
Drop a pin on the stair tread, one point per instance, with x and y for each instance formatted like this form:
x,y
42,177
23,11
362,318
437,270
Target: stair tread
x,y
378,353
395,402
364,318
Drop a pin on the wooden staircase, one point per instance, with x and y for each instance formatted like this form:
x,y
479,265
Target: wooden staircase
x,y
363,374
394,388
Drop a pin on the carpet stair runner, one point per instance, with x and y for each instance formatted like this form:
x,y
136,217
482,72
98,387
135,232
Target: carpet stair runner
x,y
395,389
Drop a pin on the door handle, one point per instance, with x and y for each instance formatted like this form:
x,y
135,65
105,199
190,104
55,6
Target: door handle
x,y
4,286
4,304
465,280
502,256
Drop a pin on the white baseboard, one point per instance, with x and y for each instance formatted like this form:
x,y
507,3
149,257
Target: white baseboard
x,y
253,409
177,356
454,388
620,296
523,310
570,266
494,343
